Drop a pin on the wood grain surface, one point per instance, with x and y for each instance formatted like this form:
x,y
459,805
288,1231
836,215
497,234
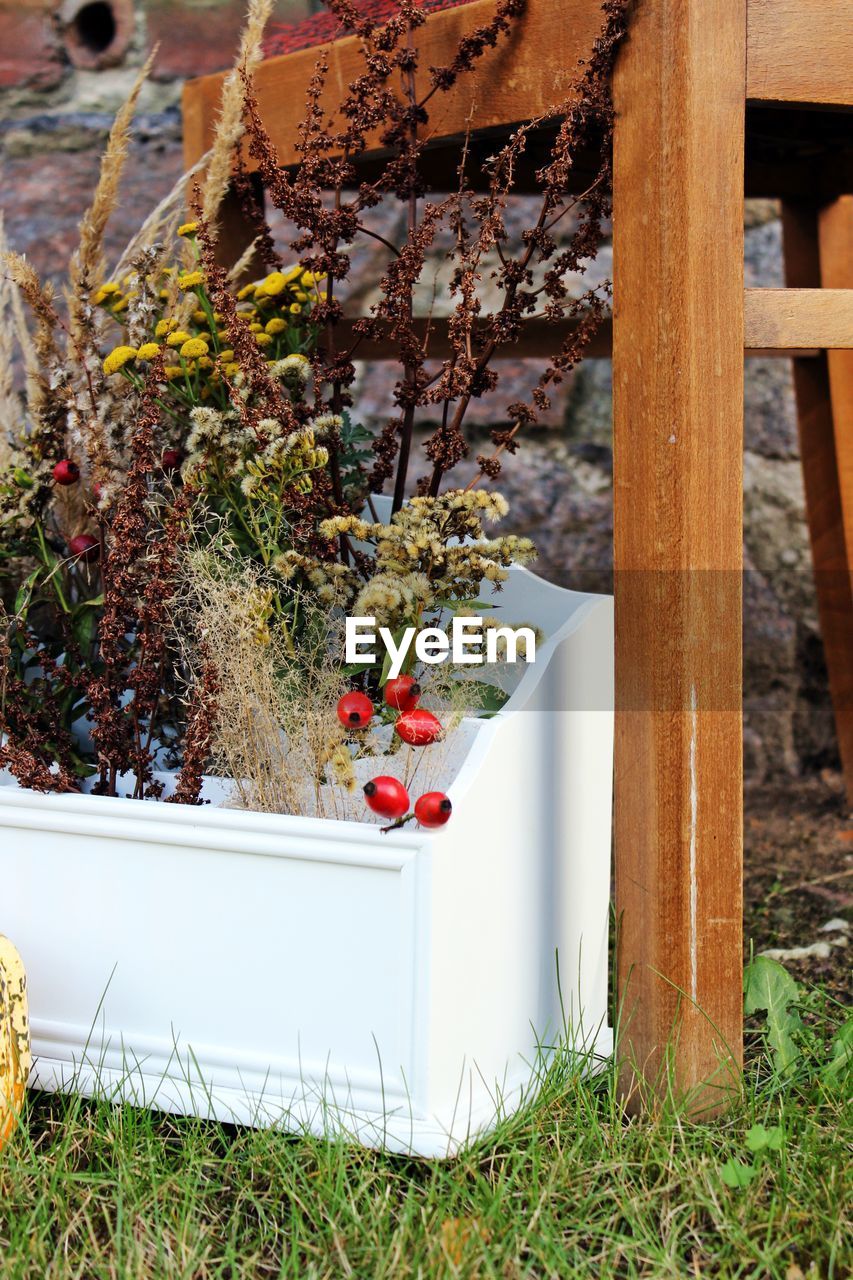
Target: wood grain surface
x,y
678,445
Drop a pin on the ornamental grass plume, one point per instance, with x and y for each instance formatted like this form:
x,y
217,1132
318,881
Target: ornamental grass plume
x,y
87,266
229,123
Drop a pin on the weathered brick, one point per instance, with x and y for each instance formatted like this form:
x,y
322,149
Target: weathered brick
x,y
45,196
196,39
29,50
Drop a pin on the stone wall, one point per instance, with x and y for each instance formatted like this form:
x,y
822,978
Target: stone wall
x,y
63,72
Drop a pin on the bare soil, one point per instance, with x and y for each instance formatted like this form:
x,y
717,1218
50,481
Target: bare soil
x,y
798,876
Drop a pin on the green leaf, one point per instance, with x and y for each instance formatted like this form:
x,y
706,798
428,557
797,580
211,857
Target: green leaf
x,y
768,987
758,1138
25,591
735,1173
83,628
841,1061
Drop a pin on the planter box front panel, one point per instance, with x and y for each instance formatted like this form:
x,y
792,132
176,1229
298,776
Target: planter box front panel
x,y
270,970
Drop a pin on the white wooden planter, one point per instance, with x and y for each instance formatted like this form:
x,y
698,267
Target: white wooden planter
x,y
402,989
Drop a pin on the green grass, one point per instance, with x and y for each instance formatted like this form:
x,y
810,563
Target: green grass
x,y
569,1188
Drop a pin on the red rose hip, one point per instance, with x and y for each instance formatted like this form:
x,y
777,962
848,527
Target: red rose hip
x,y
419,727
171,459
433,809
85,547
387,797
402,693
66,472
354,710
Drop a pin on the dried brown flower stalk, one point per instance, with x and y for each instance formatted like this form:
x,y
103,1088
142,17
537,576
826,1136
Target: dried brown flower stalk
x,y
531,280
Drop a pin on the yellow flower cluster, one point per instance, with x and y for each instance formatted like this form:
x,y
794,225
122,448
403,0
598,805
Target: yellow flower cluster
x,y
118,358
280,302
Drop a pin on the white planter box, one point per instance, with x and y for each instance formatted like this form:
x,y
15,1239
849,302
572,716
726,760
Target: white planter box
x,y
268,969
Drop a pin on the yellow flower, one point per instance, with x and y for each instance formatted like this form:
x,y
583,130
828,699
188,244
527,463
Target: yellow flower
x,y
295,309
276,325
255,327
177,338
246,292
121,305
263,339
300,296
226,356
309,278
193,348
148,351
173,371
118,358
191,280
164,326
272,286
106,293
232,369
205,362
188,229
200,317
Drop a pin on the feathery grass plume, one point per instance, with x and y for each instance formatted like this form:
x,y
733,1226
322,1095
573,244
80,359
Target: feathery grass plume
x,y
236,273
229,122
11,408
87,265
47,379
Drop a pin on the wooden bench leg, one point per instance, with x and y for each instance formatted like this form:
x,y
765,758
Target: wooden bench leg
x,y
236,234
818,248
678,445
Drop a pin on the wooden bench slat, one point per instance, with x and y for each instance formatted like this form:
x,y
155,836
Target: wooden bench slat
x,y
797,52
538,339
800,51
785,318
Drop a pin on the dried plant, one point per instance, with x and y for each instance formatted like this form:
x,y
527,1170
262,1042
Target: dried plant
x,y
181,519
531,280
274,730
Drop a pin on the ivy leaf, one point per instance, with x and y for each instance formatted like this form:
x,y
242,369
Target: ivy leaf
x,y
735,1173
760,1139
767,986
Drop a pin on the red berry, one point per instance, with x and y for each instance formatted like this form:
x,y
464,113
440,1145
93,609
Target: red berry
x,y
418,727
402,693
354,710
433,809
85,547
66,472
171,459
387,797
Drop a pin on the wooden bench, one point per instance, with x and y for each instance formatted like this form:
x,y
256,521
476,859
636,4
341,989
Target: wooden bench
x,y
715,98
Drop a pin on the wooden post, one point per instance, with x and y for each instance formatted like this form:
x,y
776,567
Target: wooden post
x,y
678,442
819,250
